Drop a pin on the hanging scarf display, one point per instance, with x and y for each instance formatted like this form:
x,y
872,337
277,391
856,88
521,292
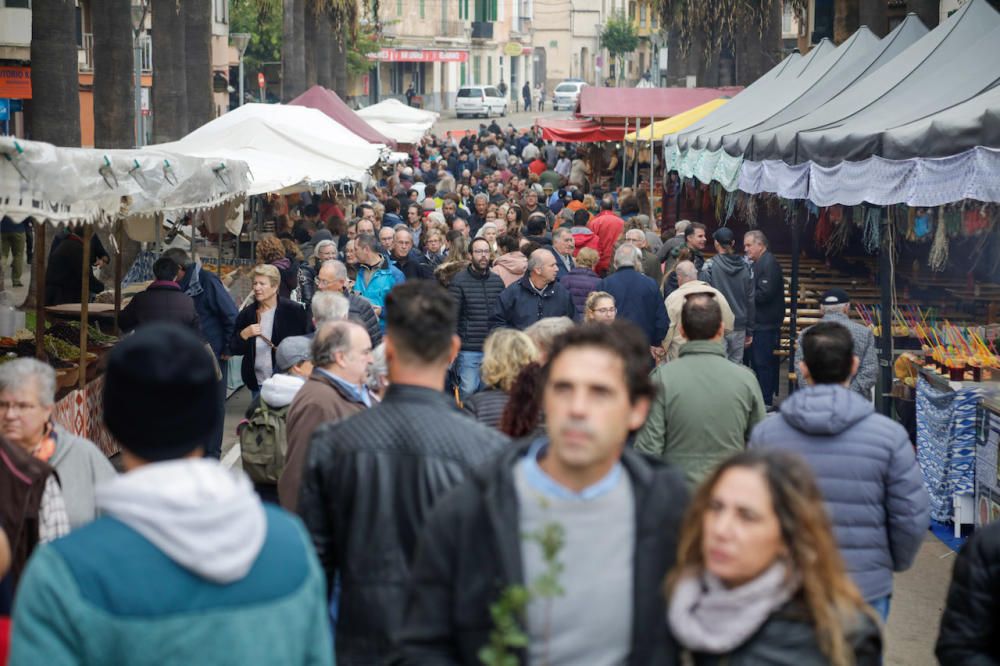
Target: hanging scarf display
x,y
872,233
937,259
824,228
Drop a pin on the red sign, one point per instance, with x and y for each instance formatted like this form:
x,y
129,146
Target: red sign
x,y
260,79
15,82
419,55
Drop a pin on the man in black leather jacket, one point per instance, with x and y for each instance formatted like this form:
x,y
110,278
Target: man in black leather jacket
x,y
371,479
618,512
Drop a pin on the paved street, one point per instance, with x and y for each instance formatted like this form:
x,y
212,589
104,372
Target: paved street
x,y
449,122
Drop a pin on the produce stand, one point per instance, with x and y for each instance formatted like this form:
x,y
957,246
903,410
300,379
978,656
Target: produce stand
x,y
115,190
988,462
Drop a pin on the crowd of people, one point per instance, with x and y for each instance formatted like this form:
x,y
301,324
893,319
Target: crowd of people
x,y
497,417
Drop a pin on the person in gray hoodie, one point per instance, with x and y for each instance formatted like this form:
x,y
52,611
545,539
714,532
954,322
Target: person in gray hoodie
x,y
863,461
731,274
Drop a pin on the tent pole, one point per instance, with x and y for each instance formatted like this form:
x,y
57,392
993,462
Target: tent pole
x,y
680,193
635,163
884,386
652,169
88,234
119,268
624,153
798,221
40,289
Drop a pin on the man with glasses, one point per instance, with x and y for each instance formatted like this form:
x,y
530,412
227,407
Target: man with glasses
x,y
475,290
333,277
406,259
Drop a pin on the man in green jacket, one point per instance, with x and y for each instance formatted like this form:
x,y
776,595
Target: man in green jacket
x,y
705,406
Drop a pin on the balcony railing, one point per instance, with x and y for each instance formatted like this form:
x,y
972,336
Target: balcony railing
x,y
482,30
86,53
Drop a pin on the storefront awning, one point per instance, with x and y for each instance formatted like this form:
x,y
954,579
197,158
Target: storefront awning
x,y
579,130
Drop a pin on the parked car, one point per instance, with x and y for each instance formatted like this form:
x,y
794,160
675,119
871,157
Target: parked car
x,y
479,101
567,94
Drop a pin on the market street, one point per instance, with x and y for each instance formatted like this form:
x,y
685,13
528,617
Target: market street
x,y
448,122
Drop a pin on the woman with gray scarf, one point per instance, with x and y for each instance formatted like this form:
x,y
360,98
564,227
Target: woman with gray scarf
x,y
759,579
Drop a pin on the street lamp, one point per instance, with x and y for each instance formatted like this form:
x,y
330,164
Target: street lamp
x,y
138,16
240,40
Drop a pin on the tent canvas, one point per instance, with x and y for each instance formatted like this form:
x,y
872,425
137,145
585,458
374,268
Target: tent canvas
x,y
678,123
578,130
330,103
658,103
401,133
394,111
288,148
73,185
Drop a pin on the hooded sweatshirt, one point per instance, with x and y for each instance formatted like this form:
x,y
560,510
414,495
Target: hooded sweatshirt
x,y
278,390
185,566
731,275
510,267
868,474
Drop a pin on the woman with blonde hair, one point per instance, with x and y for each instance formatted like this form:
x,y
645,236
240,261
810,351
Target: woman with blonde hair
x,y
759,578
262,325
506,352
600,307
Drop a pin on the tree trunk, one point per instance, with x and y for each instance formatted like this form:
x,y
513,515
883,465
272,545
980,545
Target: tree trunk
x,y
929,11
55,105
759,51
310,30
169,80
340,63
198,63
845,19
293,64
114,63
324,50
873,13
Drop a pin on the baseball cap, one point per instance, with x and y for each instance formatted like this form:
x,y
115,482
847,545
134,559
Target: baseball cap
x,y
292,351
724,236
835,297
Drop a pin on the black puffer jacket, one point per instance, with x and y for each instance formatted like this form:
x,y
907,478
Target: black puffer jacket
x,y
487,406
970,626
476,295
361,311
369,484
788,638
470,550
520,305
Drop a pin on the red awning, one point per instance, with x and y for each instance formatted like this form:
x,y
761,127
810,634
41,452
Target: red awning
x,y
646,103
328,102
579,130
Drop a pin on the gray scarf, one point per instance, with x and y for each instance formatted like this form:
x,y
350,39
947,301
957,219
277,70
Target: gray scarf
x,y
706,616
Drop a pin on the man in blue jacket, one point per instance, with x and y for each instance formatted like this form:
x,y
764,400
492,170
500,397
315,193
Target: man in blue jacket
x,y
535,296
217,318
864,464
185,565
376,274
637,296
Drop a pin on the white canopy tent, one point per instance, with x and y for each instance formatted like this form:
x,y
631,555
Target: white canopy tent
x,y
288,148
398,121
94,186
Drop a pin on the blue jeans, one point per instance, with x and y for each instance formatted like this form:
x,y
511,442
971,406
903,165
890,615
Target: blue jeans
x,y
467,366
881,606
764,363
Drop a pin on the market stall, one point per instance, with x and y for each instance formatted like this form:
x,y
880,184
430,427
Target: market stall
x,y
329,102
92,189
988,462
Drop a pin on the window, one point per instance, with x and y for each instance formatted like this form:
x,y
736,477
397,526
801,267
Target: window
x,y
642,15
463,10
631,11
787,17
421,8
16,4
477,69
399,7
221,11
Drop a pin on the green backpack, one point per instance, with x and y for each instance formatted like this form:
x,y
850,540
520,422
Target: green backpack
x,y
264,444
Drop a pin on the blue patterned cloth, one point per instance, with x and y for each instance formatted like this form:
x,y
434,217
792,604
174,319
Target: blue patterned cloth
x,y
141,269
946,443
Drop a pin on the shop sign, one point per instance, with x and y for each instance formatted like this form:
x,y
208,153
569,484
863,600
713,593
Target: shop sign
x,y
513,49
15,82
419,55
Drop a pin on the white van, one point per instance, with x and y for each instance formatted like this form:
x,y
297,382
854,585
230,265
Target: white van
x,y
566,94
479,100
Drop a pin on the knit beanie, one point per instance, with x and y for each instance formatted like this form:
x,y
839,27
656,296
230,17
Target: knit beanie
x,y
161,394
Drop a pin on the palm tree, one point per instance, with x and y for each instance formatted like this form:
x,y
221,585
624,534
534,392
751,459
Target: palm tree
x,y
310,30
324,49
55,104
846,19
293,62
114,60
198,62
339,63
169,80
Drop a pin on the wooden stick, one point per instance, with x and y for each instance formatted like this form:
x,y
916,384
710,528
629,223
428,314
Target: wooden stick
x,y
119,268
40,290
88,233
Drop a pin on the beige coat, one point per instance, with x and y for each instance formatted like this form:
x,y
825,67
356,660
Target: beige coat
x,y
675,303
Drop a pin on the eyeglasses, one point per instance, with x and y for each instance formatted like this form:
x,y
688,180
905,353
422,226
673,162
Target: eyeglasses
x,y
320,282
17,406
606,311
485,252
